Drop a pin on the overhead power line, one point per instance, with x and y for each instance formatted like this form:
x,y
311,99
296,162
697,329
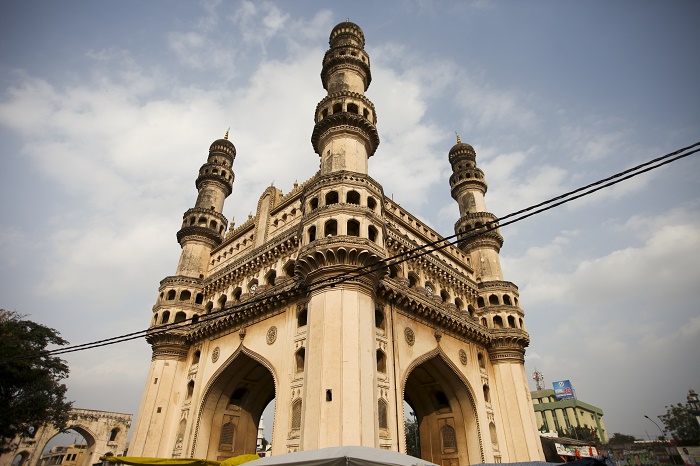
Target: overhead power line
x,y
414,253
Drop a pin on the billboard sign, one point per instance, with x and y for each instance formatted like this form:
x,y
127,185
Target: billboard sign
x,y
563,390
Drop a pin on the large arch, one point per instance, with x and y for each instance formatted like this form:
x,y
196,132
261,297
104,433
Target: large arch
x,y
233,402
445,411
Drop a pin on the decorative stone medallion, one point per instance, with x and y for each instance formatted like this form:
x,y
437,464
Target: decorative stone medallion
x,y
271,335
463,357
410,336
215,354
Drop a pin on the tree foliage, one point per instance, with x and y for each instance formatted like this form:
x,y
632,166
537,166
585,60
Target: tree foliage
x,y
31,394
681,424
618,439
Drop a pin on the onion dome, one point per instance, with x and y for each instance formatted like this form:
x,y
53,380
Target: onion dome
x,y
346,33
224,147
462,150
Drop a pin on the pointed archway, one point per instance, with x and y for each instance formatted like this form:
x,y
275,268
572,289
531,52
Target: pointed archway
x,y
232,406
444,407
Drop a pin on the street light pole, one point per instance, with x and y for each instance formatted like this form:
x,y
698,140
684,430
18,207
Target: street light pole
x,y
663,434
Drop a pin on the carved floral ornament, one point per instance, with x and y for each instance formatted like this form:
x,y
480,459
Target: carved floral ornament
x,y
271,335
463,357
410,336
215,354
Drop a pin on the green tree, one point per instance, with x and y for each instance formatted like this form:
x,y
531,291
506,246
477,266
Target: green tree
x,y
681,424
618,439
31,394
412,436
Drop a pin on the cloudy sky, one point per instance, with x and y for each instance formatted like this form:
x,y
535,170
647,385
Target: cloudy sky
x,y
107,110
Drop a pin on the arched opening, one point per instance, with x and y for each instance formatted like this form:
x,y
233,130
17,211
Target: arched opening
x,y
353,197
301,317
222,301
195,357
72,447
332,197
180,317
445,296
497,321
511,322
299,359
458,304
484,322
506,299
493,299
412,280
382,414
312,233
209,307
237,294
379,319
199,299
232,409
155,319
381,361
482,363
352,108
480,302
195,318
289,269
446,429
171,295
353,228
166,317
313,203
371,203
470,310
337,108
372,233
487,396
270,278
185,295
330,228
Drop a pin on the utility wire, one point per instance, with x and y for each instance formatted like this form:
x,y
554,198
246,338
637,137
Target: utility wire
x,y
393,260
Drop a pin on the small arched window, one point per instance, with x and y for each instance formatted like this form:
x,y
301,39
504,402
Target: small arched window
x,y
493,299
382,414
190,389
155,318
180,317
300,357
379,319
441,401
337,108
487,396
222,301
114,434
226,437
372,233
301,318
459,304
313,203
484,322
353,228
209,307
312,233
511,322
371,203
296,415
352,108
480,302
166,317
195,318
237,397
195,357
199,298
381,362
449,439
332,197
171,295
445,296
353,197
480,358
506,299
497,322
237,294
270,278
330,228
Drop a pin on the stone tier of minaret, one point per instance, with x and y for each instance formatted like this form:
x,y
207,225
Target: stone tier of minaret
x,y
345,135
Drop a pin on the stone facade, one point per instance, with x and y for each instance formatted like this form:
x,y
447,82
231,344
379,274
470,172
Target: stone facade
x,y
105,433
317,303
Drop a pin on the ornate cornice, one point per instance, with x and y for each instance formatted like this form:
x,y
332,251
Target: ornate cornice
x,y
197,233
346,123
508,345
423,308
343,177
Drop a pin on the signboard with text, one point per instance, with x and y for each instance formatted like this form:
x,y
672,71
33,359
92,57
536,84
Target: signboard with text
x,y
563,390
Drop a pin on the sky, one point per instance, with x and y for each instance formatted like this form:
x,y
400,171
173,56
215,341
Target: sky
x,y
107,111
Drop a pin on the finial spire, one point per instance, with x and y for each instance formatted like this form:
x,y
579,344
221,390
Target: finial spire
x,y
226,135
347,19
459,141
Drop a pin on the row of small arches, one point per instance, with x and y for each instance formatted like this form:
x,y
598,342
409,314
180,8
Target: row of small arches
x,y
202,222
349,108
185,296
495,300
498,322
268,280
179,317
351,197
215,171
352,228
246,242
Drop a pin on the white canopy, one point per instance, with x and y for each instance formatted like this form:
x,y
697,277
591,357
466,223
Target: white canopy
x,y
344,456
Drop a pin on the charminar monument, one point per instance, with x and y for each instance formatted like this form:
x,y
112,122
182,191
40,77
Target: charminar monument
x,y
305,303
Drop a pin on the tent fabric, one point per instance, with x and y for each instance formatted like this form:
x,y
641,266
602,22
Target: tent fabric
x,y
345,456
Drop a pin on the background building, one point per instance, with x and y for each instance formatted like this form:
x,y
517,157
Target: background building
x,y
555,415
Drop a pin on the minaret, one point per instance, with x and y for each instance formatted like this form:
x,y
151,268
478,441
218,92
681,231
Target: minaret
x,y
468,188
497,305
342,229
180,299
345,135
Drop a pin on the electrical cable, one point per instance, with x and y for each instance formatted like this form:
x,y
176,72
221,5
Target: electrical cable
x,y
397,259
